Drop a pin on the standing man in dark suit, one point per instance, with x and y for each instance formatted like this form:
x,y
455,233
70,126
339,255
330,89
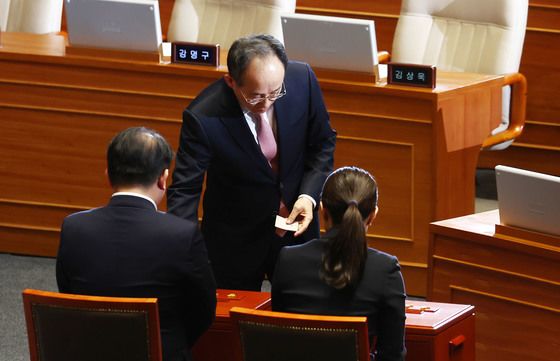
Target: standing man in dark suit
x,y
262,137
130,249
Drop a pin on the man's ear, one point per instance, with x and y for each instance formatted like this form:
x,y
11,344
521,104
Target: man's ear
x,y
229,80
107,177
162,180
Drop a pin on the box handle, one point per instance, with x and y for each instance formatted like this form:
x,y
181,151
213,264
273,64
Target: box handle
x,y
456,342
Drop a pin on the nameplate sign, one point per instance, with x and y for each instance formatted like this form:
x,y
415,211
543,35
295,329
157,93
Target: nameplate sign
x,y
194,53
412,75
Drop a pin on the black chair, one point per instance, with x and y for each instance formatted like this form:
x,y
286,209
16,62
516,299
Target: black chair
x,y
65,327
266,336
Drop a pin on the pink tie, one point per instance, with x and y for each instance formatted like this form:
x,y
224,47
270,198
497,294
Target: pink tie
x,y
265,136
267,142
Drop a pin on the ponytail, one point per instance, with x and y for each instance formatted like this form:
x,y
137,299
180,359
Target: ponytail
x,y
345,255
349,196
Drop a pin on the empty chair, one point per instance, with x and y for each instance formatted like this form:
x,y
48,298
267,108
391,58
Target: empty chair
x,y
223,21
34,16
479,36
64,327
266,335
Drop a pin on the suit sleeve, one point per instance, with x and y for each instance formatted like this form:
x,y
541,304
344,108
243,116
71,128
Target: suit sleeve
x,y
193,158
390,342
319,155
201,288
62,280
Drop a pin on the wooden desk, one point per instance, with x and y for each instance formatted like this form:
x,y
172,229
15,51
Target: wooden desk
x,y
217,343
513,282
58,112
445,335
428,334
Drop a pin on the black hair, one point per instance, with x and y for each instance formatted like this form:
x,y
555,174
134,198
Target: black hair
x,y
245,49
137,156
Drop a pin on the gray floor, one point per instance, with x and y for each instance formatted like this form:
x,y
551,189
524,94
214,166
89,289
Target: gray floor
x,y
19,272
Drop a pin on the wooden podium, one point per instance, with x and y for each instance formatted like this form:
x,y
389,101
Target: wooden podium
x,y
58,111
511,275
444,335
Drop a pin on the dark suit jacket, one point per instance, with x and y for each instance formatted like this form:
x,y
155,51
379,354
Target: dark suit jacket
x,y
129,249
297,287
242,192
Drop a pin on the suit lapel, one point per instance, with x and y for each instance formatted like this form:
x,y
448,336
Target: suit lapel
x,y
283,129
241,134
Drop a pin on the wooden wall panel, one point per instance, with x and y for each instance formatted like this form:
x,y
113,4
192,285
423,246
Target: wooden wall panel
x,y
527,156
544,14
356,6
500,259
395,220
31,227
29,240
497,323
39,214
541,66
93,101
128,78
450,273
67,148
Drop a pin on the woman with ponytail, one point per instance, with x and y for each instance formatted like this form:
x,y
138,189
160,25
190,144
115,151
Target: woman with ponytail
x,y
339,274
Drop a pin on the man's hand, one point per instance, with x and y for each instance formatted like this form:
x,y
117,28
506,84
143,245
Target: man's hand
x,y
303,213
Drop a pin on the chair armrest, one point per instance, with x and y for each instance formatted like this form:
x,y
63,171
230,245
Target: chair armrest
x,y
518,103
383,57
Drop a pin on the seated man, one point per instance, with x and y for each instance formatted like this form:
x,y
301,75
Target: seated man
x,y
130,249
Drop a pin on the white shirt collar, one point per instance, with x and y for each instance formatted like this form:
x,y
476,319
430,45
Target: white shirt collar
x,y
134,194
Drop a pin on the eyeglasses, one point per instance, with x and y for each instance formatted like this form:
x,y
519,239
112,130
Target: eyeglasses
x,y
277,94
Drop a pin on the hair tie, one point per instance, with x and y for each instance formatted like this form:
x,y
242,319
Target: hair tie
x,y
352,202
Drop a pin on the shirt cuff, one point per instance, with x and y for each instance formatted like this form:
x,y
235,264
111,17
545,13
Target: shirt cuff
x,y
310,198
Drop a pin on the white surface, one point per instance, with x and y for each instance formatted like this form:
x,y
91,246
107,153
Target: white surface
x,y
33,16
331,42
281,223
4,8
114,24
223,21
528,199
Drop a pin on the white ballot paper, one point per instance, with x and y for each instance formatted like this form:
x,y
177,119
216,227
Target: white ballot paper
x,y
281,223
